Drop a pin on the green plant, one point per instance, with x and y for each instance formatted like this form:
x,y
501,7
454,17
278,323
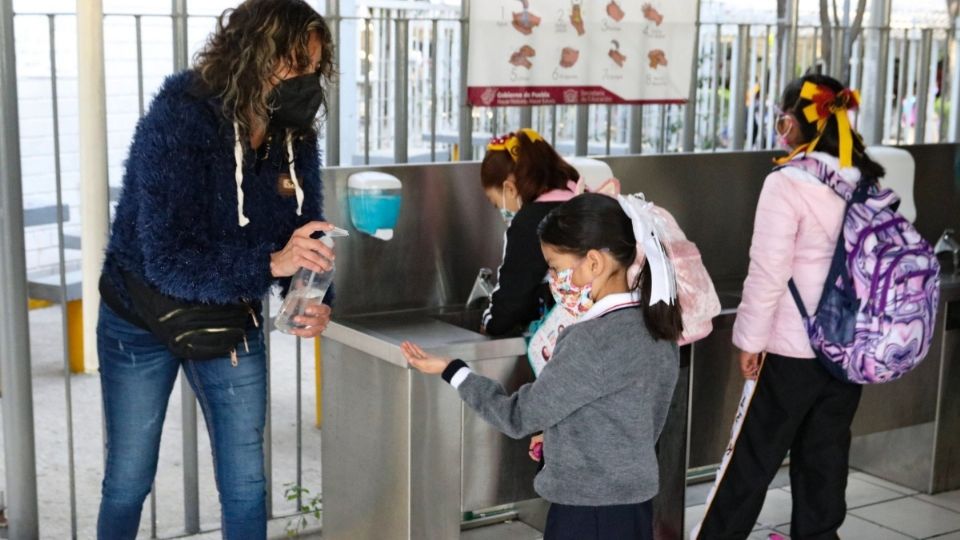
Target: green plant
x,y
307,506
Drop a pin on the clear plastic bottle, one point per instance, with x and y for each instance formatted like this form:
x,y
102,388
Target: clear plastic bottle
x,y
307,288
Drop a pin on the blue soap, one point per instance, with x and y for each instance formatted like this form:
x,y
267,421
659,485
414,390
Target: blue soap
x,y
370,212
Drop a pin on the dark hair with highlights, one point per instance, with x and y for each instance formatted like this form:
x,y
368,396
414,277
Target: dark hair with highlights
x,y
597,222
830,140
242,54
538,169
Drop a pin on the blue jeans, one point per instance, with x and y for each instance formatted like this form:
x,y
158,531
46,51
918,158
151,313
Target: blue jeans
x,y
137,374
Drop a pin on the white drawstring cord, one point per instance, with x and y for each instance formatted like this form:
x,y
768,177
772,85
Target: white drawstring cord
x,y
238,174
293,173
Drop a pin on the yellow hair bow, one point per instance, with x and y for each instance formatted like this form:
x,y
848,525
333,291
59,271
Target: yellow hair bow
x,y
827,103
511,143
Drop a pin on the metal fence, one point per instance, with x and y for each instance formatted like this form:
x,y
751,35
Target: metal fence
x,y
400,98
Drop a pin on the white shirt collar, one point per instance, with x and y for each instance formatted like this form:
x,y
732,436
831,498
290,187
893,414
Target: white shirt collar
x,y
612,302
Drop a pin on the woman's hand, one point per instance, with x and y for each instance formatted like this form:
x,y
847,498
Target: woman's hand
x,y
536,448
303,251
750,364
421,361
314,320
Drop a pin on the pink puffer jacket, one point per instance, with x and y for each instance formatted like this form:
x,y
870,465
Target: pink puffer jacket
x,y
797,224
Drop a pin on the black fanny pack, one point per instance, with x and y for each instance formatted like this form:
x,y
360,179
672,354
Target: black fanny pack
x,y
191,330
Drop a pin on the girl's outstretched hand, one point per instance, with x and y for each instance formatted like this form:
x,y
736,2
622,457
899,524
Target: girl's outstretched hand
x,y
421,361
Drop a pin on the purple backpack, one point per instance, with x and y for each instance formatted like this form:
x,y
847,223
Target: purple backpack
x,y
876,315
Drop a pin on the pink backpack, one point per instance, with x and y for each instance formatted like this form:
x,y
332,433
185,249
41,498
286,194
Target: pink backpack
x,y
699,302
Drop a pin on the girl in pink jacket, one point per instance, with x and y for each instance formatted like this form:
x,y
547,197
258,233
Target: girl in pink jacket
x,y
792,403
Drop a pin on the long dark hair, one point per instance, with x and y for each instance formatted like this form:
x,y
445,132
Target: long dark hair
x,y
830,140
537,169
250,40
593,221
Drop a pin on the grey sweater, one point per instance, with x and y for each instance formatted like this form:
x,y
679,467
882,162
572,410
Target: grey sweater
x,y
601,402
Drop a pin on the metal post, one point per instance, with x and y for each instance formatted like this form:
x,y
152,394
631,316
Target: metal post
x,y
332,140
17,388
138,23
299,425
466,111
876,91
526,117
268,423
636,129
738,89
902,77
718,50
789,58
434,43
181,44
94,192
401,90
191,484
923,85
582,133
553,125
764,92
367,89
690,111
62,267
609,130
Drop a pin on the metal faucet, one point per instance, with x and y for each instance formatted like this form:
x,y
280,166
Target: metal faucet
x,y
482,287
948,244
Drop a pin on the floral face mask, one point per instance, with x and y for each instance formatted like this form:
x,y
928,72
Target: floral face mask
x,y
573,298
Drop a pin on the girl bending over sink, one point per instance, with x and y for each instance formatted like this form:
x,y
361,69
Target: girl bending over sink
x,y
603,398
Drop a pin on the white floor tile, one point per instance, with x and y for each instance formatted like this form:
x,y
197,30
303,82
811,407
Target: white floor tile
x,y
855,528
951,536
776,509
950,500
883,483
912,517
863,493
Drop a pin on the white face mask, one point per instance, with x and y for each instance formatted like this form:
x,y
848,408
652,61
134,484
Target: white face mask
x,y
507,215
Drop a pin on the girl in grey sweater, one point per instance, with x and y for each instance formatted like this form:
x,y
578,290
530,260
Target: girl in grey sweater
x,y
602,400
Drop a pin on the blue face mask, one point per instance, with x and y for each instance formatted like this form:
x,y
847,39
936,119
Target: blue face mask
x,y
507,215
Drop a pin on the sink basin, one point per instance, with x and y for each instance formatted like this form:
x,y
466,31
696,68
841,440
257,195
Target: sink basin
x,y
450,332
468,320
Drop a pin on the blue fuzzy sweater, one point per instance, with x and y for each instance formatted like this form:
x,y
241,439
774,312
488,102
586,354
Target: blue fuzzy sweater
x,y
176,223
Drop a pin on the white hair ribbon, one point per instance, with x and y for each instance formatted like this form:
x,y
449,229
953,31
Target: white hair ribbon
x,y
663,283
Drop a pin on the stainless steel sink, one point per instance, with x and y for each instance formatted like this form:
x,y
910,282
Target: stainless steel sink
x,y
402,456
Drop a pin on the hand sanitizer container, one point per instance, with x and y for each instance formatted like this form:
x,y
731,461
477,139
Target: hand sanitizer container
x,y
307,288
374,199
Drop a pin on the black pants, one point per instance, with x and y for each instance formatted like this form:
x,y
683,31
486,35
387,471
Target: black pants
x,y
797,407
618,522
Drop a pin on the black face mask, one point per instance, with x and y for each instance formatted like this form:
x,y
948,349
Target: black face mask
x,y
296,102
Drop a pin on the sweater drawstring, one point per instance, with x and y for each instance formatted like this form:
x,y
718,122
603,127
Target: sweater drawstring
x,y
238,174
293,173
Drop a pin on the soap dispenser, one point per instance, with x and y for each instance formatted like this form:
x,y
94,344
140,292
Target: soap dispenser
x,y
374,199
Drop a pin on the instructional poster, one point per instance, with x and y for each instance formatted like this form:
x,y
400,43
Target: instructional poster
x,y
544,52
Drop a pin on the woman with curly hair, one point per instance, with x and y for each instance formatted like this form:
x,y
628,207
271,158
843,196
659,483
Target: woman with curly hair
x,y
221,200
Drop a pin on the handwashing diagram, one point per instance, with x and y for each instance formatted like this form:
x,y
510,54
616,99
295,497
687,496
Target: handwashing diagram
x,y
618,57
569,57
576,17
651,14
614,11
524,21
579,51
657,58
521,58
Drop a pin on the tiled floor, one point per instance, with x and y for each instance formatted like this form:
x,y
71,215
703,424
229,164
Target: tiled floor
x,y
877,510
